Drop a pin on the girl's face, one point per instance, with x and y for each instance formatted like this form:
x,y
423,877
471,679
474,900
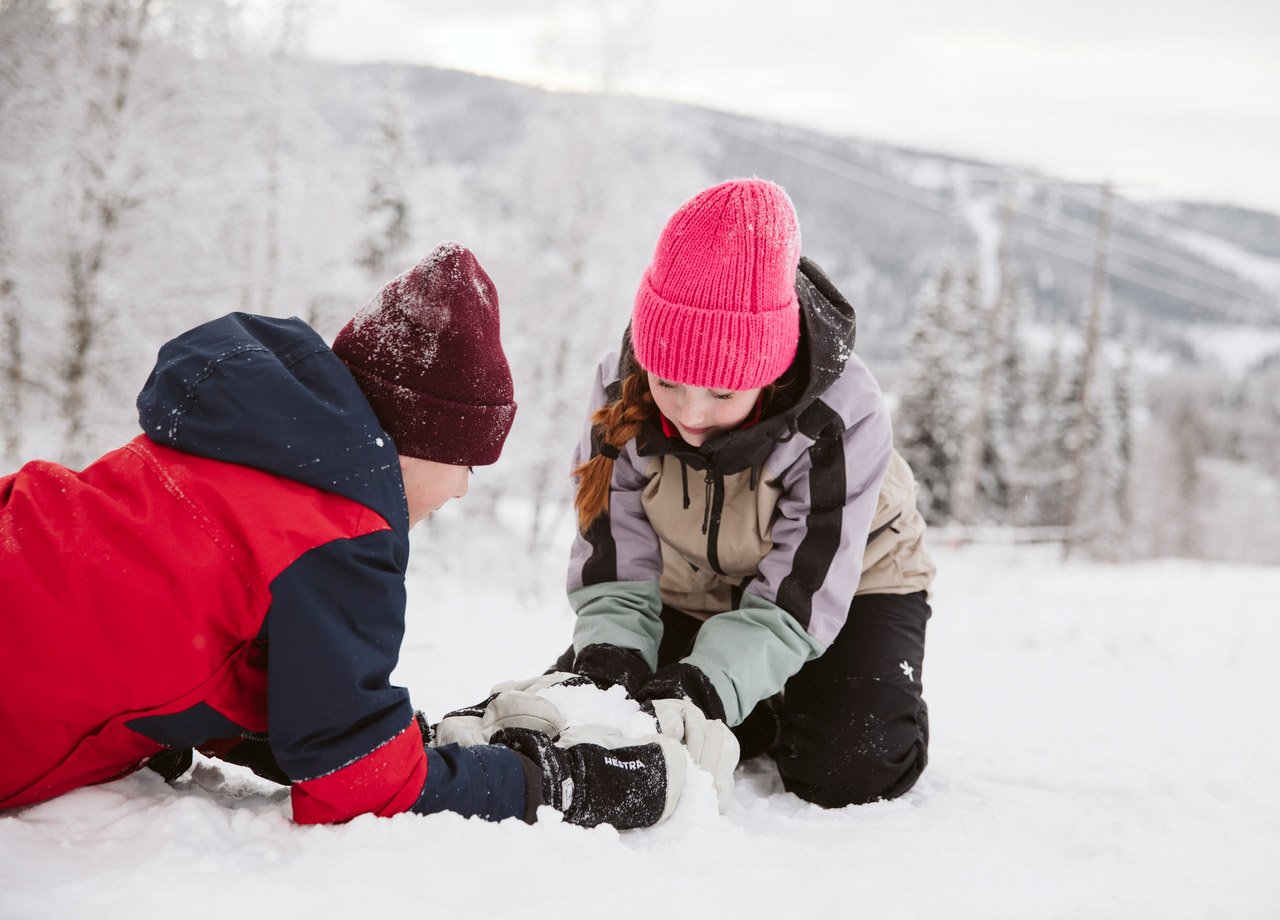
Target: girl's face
x,y
698,413
428,485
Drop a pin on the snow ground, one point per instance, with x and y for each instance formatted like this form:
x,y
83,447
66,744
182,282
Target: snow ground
x,y
1103,746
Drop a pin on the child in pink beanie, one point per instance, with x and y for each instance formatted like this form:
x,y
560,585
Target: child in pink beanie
x,y
749,541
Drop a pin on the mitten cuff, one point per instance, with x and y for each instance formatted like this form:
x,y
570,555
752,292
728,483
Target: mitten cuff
x,y
685,681
545,784
534,797
171,763
606,665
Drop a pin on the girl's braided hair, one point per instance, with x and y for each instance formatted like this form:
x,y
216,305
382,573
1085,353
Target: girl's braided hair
x,y
615,423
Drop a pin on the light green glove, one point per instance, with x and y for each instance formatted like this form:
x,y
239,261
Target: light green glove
x,y
710,743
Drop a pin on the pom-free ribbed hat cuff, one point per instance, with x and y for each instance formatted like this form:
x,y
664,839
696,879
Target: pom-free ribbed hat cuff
x,y
430,428
718,349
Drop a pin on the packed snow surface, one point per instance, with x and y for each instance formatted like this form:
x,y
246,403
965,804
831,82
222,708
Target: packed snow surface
x,y
1103,746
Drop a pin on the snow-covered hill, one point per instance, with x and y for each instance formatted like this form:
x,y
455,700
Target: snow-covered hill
x,y
1101,748
880,217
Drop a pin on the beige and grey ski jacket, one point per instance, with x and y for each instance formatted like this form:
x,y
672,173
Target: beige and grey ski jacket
x,y
766,532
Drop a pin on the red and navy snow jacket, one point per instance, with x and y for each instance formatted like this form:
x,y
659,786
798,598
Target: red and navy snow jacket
x,y
236,572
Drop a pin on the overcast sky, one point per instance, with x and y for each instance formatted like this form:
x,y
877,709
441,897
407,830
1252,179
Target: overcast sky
x,y
1174,99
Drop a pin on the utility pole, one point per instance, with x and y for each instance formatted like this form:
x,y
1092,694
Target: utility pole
x,y
1088,371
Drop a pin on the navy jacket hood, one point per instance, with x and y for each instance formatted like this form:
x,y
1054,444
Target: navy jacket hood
x,y
270,394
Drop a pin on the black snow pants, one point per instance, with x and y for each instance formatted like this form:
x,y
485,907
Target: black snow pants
x,y
850,726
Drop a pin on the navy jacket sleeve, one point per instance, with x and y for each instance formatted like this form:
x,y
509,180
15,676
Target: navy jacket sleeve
x,y
338,727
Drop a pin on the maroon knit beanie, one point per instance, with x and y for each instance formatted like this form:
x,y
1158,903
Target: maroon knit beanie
x,y
426,353
717,306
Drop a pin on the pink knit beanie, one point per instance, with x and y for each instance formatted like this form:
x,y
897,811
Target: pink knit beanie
x,y
717,306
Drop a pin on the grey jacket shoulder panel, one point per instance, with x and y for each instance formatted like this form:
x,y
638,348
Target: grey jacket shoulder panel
x,y
829,497
620,545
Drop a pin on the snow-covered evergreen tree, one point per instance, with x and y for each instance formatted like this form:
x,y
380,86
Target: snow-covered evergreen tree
x,y
929,418
1003,439
132,186
101,174
390,157
1124,414
1004,486
1175,501
1044,463
12,355
1099,524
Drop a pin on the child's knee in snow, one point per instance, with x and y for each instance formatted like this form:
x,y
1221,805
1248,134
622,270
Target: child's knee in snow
x,y
875,750
854,777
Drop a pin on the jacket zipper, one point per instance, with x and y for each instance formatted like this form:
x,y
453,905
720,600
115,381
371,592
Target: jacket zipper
x,y
711,519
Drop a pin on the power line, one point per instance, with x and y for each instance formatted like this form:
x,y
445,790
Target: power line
x,y
1173,289
853,172
1072,225
1149,253
1142,216
864,176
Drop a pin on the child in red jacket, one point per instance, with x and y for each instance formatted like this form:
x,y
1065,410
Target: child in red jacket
x,y
232,580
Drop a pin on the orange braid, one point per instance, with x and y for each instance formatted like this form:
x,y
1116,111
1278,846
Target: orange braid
x,y
617,422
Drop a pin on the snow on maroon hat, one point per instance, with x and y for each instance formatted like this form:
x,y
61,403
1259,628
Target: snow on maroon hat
x,y
426,352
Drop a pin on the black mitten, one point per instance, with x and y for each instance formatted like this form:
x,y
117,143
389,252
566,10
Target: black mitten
x,y
171,763
605,665
590,784
255,753
684,681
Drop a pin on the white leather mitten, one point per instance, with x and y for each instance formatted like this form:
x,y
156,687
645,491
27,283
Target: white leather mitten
x,y
710,743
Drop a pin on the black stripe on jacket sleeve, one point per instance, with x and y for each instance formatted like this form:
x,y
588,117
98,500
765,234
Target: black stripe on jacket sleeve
x,y
602,564
824,522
